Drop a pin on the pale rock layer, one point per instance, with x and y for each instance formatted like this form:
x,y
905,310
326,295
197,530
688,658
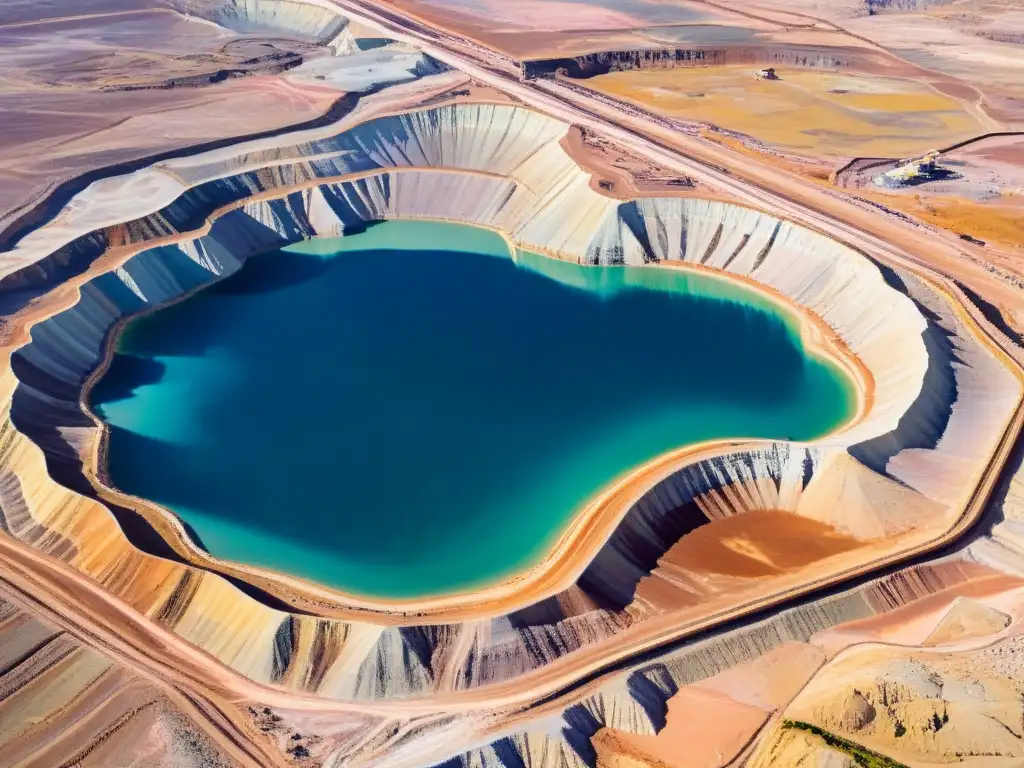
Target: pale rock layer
x,y
501,167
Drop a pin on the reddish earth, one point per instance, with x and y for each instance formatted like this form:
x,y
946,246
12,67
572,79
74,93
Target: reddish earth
x,y
704,729
757,544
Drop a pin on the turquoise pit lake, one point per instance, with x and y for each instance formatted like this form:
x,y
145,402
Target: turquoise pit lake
x,y
415,410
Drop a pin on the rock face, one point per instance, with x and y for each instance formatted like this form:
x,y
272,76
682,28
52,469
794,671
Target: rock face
x,y
939,395
929,708
593,64
308,19
64,703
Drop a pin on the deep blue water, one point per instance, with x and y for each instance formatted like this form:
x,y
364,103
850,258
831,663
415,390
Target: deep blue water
x,y
409,411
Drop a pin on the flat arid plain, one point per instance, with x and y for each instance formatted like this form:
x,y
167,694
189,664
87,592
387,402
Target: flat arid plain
x,y
479,383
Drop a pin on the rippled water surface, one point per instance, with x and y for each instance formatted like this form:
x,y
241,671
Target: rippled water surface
x,y
408,410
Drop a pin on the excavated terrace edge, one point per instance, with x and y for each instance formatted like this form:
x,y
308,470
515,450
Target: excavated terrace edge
x,y
577,542
683,463
118,578
588,523
815,332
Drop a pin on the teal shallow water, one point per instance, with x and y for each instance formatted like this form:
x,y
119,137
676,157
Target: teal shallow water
x,y
409,411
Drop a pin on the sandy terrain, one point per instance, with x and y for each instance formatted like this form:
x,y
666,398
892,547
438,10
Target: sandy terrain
x,y
922,708
62,703
540,28
739,553
978,190
702,728
976,41
78,93
709,722
807,112
958,701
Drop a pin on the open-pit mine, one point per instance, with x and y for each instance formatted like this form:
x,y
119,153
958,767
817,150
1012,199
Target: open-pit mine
x,y
468,383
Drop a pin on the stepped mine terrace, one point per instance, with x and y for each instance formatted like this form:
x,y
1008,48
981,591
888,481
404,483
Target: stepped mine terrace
x,y
462,422
622,447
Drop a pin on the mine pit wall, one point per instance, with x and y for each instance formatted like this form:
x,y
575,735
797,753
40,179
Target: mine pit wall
x,y
537,196
963,405
314,20
160,274
601,63
636,700
768,478
533,192
633,234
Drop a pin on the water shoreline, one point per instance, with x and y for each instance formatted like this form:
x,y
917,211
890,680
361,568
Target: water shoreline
x,y
817,338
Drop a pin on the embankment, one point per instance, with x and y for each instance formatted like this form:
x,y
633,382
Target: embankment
x,y
939,397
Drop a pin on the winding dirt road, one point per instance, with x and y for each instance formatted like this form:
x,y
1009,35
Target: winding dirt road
x,y
748,179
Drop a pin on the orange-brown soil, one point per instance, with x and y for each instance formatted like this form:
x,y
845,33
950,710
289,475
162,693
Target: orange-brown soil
x,y
736,554
757,544
703,730
1000,222
619,173
913,623
709,723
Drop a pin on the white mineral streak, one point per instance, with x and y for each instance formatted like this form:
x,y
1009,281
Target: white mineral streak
x,y
103,203
985,392
498,166
358,71
310,19
636,699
